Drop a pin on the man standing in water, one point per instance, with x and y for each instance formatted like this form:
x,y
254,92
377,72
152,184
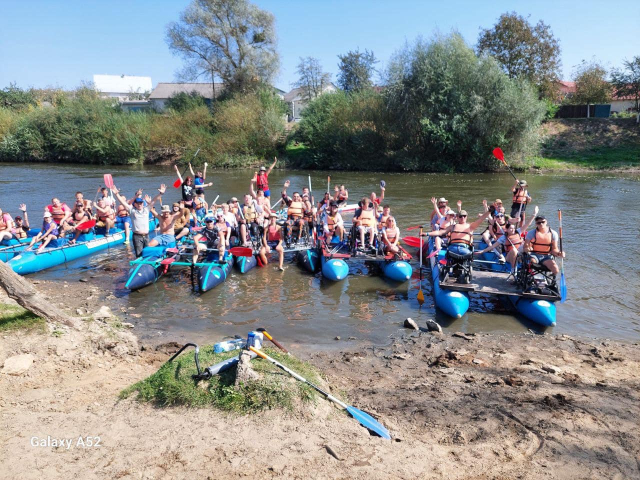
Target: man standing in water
x,y
139,214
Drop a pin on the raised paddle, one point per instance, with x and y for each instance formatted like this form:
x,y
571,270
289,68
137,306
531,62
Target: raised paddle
x,y
178,182
420,296
365,419
412,241
415,227
563,282
499,154
108,181
329,184
86,225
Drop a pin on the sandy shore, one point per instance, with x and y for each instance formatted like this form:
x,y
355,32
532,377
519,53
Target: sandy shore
x,y
458,407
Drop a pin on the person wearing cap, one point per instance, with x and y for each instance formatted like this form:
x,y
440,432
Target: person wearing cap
x,y
48,232
6,226
261,178
139,214
78,216
542,243
216,234
21,227
272,240
444,222
520,199
166,219
460,234
439,208
332,224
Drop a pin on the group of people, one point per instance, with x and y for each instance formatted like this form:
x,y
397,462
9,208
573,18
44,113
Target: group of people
x,y
504,234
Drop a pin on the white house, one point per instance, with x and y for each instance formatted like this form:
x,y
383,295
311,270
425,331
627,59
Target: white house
x,y
164,91
121,86
297,102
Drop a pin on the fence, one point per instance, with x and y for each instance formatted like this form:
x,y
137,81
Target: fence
x,y
580,111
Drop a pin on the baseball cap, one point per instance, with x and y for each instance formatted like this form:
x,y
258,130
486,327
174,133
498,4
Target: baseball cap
x,y
138,200
523,183
47,214
449,212
540,217
208,220
17,217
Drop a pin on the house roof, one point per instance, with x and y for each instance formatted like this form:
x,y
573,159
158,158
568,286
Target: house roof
x,y
167,90
566,87
122,83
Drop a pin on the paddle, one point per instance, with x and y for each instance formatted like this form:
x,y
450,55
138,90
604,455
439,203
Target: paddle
x,y
412,241
108,181
168,261
563,282
365,419
415,227
178,182
86,225
499,154
329,184
273,340
241,251
420,294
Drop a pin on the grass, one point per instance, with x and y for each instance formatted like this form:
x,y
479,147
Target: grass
x,y
598,158
172,384
17,318
295,149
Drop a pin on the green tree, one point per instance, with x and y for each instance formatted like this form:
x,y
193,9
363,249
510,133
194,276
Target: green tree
x,y
591,84
15,98
312,79
627,82
228,39
356,70
524,51
181,102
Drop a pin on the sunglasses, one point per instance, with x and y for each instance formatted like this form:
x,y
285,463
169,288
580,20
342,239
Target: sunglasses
x,y
462,216
541,223
500,215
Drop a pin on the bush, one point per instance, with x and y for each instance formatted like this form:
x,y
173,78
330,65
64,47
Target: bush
x,y
552,109
181,102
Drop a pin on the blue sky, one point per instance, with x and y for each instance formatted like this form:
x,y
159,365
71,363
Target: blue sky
x,y
63,42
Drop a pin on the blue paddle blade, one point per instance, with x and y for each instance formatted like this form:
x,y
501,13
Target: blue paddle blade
x,y
369,422
563,289
383,183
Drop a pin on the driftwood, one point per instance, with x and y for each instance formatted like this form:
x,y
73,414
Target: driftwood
x,y
23,292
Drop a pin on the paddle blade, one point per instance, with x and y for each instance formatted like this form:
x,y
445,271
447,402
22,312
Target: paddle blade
x,y
171,250
499,154
443,262
420,297
85,225
563,288
177,183
108,180
433,254
412,241
168,261
369,422
241,252
414,227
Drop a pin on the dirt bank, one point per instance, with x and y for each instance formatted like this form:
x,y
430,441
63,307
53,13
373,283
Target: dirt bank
x,y
479,406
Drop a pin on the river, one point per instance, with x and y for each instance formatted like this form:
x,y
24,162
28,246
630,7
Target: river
x,y
602,268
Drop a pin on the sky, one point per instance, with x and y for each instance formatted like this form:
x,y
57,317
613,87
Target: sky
x,y
65,42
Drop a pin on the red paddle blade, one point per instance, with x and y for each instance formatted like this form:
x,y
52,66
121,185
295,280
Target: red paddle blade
x,y
108,180
498,153
171,250
412,241
414,228
443,262
168,261
433,254
177,183
241,252
85,225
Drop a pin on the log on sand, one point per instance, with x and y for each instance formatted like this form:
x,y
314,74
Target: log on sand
x,y
23,292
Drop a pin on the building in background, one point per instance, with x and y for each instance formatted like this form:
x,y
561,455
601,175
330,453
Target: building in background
x,y
296,101
123,87
164,91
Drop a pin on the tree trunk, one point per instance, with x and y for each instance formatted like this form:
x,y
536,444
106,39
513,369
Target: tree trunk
x,y
28,297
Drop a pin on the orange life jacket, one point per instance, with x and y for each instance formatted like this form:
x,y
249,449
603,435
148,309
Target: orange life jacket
x,y
513,241
367,218
331,223
250,213
295,210
102,217
457,236
542,242
520,195
57,213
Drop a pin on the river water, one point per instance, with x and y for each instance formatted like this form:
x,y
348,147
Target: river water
x,y
600,217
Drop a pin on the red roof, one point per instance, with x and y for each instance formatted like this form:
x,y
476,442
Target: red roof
x,y
566,87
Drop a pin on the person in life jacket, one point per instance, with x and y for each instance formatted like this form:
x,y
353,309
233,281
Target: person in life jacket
x,y
6,226
59,211
365,221
460,234
48,233
391,236
86,203
444,221
21,227
439,211
272,240
340,195
511,242
106,216
215,234
521,198
383,216
78,216
332,223
261,178
253,219
295,212
542,243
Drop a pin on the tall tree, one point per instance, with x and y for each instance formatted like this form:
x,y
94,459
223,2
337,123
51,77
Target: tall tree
x,y
524,51
312,79
591,84
356,70
232,40
626,83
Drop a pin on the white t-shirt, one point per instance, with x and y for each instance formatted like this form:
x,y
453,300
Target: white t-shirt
x,y
231,219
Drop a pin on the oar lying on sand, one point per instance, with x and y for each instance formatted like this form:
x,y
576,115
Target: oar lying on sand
x,y
365,419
